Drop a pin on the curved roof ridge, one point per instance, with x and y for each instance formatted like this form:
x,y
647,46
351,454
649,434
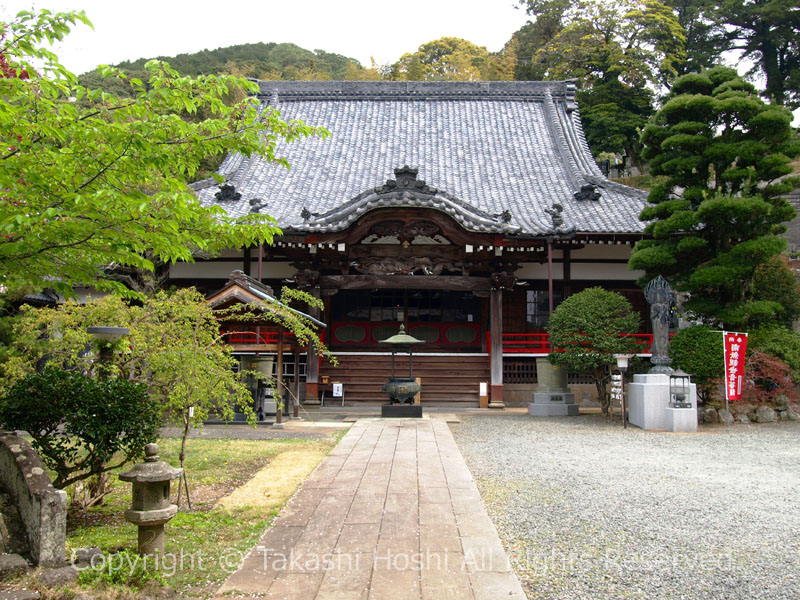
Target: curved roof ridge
x,y
408,192
422,90
557,133
579,148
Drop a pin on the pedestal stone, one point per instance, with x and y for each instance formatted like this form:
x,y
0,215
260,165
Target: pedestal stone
x,y
648,404
681,419
552,397
401,411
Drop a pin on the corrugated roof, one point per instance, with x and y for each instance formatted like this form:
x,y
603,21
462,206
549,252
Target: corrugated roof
x,y
494,155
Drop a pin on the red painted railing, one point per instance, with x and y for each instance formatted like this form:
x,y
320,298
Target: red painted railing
x,y
252,336
366,333
528,343
539,343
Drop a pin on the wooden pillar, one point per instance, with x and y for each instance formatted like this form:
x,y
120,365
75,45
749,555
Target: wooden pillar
x,y
312,361
567,277
279,381
246,258
296,397
550,275
496,327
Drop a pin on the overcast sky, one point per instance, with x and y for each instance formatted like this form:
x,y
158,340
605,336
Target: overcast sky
x,y
356,28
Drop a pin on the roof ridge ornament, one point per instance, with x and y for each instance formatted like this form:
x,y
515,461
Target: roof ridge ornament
x,y
558,222
504,216
227,193
256,204
588,192
405,179
307,214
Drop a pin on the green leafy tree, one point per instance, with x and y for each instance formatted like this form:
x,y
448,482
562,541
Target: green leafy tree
x,y
775,280
706,38
174,349
637,42
698,350
768,32
726,155
618,52
81,426
613,117
447,58
89,180
587,330
549,18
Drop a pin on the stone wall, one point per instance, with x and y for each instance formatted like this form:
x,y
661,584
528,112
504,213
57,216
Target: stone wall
x,y
43,508
521,394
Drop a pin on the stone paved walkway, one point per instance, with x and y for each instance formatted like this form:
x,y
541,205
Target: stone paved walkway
x,y
391,513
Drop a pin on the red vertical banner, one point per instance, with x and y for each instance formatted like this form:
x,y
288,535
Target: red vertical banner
x,y
735,349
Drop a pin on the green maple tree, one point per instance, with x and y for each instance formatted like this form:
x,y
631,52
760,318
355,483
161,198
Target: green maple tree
x,y
90,181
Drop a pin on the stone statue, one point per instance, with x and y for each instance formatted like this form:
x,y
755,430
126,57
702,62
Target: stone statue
x,y
661,298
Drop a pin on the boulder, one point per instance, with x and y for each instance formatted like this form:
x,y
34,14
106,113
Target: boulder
x,y
742,408
710,415
726,417
83,556
766,414
12,564
152,590
743,418
781,401
793,412
54,578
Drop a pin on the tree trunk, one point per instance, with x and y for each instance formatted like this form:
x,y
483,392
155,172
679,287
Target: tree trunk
x,y
182,483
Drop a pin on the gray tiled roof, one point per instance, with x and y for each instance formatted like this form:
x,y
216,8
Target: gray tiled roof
x,y
481,148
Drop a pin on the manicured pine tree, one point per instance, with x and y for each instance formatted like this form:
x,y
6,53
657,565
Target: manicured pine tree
x,y
717,218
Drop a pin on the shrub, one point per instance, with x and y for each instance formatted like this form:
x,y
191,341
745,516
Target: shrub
x,y
780,342
767,378
699,351
78,424
587,330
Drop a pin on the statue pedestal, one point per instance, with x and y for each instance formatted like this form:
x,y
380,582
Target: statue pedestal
x,y
681,419
648,405
552,397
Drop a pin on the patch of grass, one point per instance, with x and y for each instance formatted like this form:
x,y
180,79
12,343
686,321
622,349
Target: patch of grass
x,y
642,182
273,485
204,545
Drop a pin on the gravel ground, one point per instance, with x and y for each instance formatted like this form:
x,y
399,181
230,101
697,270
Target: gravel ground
x,y
586,509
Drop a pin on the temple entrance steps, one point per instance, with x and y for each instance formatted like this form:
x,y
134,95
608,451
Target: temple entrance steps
x,y
447,379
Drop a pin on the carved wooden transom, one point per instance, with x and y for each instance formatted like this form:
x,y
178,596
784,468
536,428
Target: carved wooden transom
x,y
400,232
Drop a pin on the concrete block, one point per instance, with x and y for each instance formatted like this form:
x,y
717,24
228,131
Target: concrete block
x,y
648,401
681,419
553,410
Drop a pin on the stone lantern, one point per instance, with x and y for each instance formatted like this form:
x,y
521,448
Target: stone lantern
x,y
151,508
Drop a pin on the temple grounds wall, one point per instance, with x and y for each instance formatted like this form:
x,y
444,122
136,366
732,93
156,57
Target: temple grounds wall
x,y
42,508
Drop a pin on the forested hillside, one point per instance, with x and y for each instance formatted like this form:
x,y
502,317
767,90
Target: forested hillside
x,y
260,60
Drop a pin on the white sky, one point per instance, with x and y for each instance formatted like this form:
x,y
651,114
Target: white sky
x,y
356,28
